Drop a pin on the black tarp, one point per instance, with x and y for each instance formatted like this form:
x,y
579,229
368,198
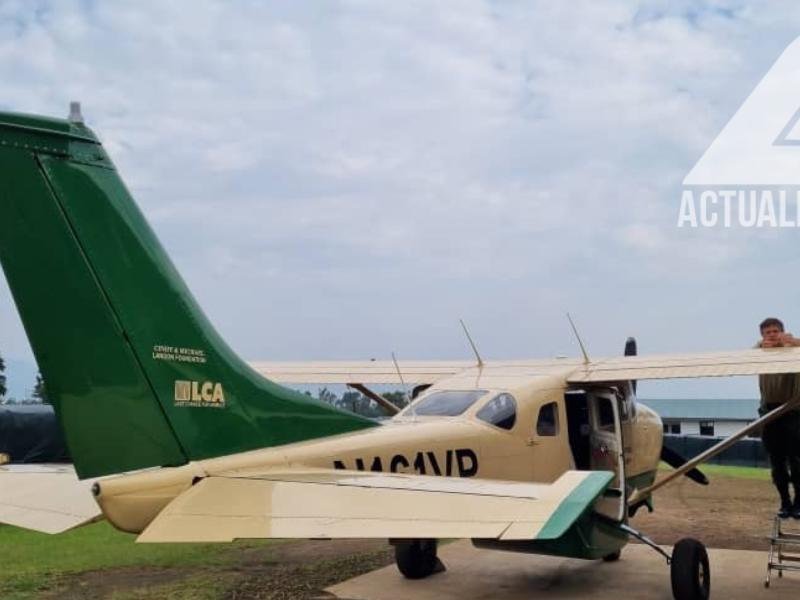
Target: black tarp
x,y
30,433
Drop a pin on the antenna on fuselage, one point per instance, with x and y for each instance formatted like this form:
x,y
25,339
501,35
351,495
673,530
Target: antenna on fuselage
x,y
402,381
580,341
471,343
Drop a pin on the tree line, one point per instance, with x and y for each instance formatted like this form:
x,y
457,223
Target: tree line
x,y
358,403
38,394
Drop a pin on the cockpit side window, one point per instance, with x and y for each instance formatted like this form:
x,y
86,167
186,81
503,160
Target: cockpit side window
x,y
500,411
547,423
446,403
605,414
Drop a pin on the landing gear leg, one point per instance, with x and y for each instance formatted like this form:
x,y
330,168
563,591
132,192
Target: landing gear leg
x,y
416,559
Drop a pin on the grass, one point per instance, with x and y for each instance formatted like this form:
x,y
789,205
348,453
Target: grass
x,y
33,562
757,473
203,587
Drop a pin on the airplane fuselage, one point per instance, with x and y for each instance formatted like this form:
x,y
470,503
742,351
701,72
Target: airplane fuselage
x,y
438,446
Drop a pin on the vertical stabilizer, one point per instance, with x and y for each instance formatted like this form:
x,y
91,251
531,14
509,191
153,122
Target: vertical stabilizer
x,y
137,374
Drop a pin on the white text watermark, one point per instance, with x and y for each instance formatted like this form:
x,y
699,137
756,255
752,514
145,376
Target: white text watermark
x,y
740,208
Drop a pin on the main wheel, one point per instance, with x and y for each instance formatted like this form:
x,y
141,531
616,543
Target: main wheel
x,y
691,578
613,557
416,558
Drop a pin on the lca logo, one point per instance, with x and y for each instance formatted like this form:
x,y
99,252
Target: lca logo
x,y
750,175
196,393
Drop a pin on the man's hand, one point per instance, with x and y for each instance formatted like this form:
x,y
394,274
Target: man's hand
x,y
787,339
784,340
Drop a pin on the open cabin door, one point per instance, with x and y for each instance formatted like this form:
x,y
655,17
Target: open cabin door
x,y
606,450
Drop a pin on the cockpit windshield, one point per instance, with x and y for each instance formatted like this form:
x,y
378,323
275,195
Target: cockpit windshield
x,y
445,403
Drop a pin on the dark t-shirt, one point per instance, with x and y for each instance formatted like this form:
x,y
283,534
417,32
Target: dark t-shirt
x,y
778,389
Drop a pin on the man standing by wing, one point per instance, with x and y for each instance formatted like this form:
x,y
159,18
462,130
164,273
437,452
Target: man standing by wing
x,y
782,436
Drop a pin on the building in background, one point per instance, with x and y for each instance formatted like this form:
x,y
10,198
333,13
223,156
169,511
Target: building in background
x,y
717,417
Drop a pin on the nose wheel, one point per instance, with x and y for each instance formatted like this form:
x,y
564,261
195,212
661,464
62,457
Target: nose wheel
x,y
691,578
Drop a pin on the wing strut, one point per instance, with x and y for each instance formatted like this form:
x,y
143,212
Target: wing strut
x,y
714,450
388,406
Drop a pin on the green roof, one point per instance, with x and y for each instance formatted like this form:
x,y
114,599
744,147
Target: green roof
x,y
740,409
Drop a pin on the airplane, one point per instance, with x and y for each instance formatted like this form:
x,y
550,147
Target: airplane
x,y
180,440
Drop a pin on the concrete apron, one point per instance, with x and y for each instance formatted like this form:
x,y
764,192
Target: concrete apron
x,y
641,573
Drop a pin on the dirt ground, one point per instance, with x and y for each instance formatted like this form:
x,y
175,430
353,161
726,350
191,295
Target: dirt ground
x,y
728,513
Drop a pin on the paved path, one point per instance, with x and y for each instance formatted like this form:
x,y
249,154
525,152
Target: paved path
x,y
640,573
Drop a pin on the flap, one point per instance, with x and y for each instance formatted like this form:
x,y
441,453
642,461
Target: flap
x,y
347,504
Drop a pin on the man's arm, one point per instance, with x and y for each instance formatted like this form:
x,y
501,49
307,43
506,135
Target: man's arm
x,y
786,340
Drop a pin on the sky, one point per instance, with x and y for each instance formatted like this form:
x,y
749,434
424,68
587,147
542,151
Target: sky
x,y
347,179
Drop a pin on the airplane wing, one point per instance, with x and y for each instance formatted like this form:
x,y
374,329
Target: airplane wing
x,y
45,497
322,503
618,368
710,364
365,371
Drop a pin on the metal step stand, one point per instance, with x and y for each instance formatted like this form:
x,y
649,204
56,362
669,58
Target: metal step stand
x,y
782,540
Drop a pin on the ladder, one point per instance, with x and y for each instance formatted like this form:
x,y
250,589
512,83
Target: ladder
x,y
779,559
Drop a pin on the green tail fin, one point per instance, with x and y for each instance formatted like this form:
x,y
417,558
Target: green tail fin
x,y
137,374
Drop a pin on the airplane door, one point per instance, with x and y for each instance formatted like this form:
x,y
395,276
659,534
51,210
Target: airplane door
x,y
606,451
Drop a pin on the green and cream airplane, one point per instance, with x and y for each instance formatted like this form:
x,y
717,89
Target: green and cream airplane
x,y
175,438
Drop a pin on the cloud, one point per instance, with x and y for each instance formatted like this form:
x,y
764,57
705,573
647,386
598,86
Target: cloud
x,y
396,165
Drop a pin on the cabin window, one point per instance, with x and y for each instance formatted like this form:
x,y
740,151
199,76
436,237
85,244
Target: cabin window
x,y
605,414
445,403
547,423
675,428
706,427
500,411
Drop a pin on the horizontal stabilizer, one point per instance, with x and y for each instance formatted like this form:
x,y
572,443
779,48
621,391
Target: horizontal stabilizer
x,y
348,504
46,498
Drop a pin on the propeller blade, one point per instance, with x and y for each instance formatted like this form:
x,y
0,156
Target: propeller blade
x,y
675,460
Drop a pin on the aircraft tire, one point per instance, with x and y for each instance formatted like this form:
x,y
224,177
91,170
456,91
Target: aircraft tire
x,y
689,572
416,559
